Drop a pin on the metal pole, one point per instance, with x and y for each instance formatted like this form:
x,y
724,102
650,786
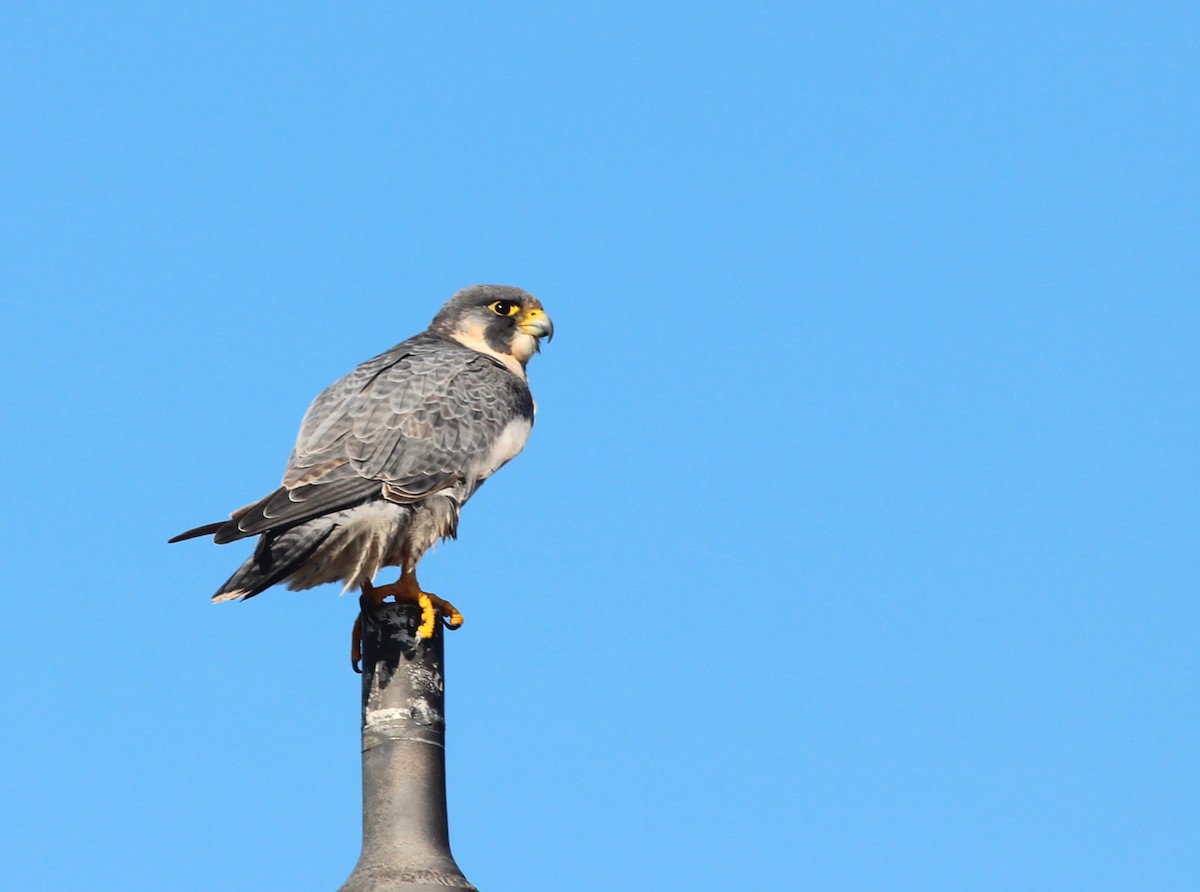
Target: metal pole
x,y
406,838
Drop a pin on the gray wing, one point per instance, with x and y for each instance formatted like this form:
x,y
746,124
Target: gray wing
x,y
421,418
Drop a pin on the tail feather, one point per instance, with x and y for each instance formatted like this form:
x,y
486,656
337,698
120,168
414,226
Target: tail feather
x,y
276,558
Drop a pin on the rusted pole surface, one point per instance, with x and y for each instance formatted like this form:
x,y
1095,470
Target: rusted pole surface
x,y
406,838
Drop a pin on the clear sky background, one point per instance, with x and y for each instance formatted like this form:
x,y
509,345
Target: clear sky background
x,y
856,543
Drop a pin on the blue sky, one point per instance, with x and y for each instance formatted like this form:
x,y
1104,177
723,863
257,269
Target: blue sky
x,y
856,543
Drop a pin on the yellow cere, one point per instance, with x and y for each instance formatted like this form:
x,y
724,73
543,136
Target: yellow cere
x,y
428,617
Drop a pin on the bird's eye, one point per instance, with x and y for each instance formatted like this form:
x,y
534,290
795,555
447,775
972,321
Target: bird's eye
x,y
504,308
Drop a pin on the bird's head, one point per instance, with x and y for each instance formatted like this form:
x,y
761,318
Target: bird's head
x,y
499,320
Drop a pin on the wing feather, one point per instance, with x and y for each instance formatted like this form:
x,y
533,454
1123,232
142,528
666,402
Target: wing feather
x,y
422,418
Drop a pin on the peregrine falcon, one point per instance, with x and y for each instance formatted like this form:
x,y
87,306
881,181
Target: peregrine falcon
x,y
388,455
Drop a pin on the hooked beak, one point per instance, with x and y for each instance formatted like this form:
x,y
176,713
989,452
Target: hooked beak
x,y
536,323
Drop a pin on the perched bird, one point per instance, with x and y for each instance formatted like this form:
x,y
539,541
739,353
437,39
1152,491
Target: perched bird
x,y
388,455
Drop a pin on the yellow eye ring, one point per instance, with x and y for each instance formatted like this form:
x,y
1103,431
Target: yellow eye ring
x,y
504,308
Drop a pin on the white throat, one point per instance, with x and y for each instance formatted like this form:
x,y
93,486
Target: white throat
x,y
471,336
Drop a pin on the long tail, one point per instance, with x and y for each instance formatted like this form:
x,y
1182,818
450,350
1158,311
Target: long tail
x,y
276,558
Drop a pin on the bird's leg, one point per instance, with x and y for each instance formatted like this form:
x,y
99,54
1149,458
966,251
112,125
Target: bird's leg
x,y
406,588
370,594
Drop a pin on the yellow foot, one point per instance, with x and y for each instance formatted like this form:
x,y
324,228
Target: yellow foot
x,y
407,589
